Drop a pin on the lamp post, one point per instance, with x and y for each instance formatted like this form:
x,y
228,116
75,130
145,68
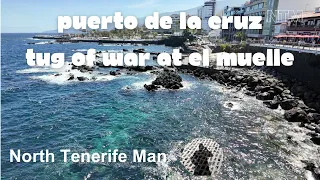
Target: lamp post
x,y
305,9
315,34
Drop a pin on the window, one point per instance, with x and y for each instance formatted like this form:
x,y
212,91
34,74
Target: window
x,y
318,23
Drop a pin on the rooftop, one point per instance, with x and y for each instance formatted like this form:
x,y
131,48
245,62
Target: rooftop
x,y
306,15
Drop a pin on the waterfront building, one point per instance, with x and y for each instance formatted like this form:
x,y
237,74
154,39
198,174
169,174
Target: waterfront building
x,y
175,27
229,34
255,8
205,12
270,19
306,23
280,28
280,11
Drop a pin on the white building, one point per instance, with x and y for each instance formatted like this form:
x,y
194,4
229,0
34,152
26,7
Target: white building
x,y
205,12
287,9
175,27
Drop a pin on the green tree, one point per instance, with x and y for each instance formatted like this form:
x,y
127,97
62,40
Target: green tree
x,y
240,36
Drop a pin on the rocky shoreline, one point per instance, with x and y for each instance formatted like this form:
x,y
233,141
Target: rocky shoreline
x,y
299,103
276,91
167,78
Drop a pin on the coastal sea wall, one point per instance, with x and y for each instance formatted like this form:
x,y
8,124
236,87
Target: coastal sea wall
x,y
306,66
173,41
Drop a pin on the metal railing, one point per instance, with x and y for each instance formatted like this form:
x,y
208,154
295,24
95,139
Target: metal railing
x,y
293,46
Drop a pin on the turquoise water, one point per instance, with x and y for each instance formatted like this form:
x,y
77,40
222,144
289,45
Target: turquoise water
x,y
96,116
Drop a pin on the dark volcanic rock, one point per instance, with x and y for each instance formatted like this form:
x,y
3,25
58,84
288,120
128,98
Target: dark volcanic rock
x,y
229,105
249,93
289,104
115,73
83,68
151,87
81,78
167,79
296,115
262,88
253,81
314,117
265,96
278,89
316,140
71,77
138,51
142,68
272,104
311,166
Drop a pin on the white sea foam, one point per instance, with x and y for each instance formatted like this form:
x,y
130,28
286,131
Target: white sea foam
x,y
113,51
63,77
63,74
232,105
167,170
140,84
112,45
44,42
187,85
80,50
34,39
34,70
299,148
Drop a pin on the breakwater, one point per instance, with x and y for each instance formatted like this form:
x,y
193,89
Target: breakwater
x,y
173,41
305,68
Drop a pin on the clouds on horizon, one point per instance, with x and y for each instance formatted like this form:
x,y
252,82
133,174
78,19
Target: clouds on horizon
x,y
144,4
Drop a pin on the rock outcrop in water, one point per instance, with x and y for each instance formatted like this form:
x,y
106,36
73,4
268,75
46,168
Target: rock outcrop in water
x,y
168,79
142,68
313,168
115,73
301,104
139,51
81,78
83,68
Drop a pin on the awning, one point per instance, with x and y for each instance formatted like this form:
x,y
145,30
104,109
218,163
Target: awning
x,y
311,36
300,36
296,36
280,36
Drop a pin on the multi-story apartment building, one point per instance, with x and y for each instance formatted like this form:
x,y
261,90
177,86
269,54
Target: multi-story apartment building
x,y
306,23
275,14
175,27
255,8
229,34
286,11
205,12
270,19
279,28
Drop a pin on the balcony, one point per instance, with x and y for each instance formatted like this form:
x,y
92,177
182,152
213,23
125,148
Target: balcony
x,y
303,28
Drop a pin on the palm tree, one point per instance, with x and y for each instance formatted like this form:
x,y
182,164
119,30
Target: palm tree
x,y
240,36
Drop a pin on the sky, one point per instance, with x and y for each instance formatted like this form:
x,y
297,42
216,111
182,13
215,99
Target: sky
x,y
41,15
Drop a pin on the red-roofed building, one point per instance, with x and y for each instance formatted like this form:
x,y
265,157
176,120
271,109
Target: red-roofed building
x,y
306,23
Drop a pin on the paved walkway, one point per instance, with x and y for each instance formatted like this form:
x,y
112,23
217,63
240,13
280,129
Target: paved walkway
x,y
313,50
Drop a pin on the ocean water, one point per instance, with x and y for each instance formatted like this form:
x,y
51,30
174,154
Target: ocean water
x,y
40,111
